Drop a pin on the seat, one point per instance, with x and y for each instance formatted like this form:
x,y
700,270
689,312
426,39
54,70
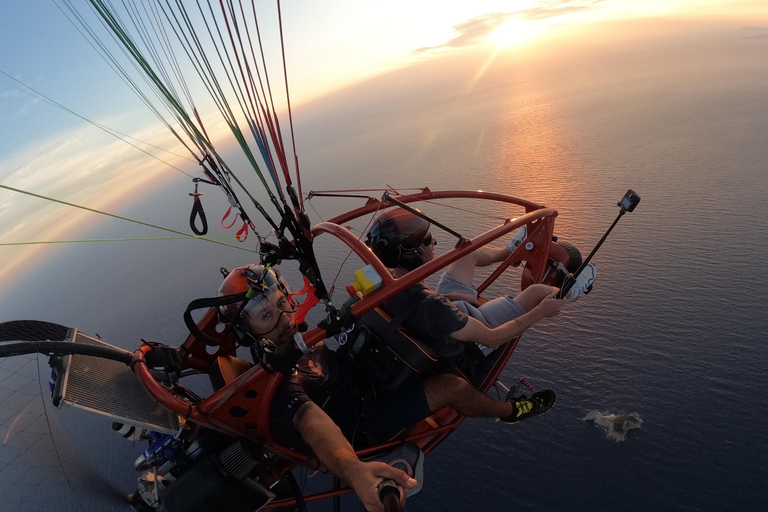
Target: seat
x,y
225,369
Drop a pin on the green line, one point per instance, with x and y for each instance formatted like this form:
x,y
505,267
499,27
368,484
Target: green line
x,y
120,240
125,218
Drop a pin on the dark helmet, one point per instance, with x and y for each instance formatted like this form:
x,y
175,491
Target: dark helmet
x,y
395,237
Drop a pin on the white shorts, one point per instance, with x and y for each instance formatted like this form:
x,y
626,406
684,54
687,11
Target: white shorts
x,y
493,313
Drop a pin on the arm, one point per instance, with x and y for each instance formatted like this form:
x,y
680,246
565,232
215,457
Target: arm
x,y
334,451
477,332
454,296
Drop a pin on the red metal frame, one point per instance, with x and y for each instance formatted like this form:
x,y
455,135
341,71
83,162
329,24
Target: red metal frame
x,y
242,407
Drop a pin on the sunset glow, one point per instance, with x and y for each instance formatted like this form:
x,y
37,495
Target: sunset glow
x,y
330,47
517,33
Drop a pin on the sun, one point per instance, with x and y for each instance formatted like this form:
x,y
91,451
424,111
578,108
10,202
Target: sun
x,y
516,33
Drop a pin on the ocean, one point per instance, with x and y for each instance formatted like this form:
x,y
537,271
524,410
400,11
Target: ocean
x,y
674,330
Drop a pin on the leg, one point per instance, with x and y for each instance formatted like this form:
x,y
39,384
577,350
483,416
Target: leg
x,y
531,296
452,391
463,269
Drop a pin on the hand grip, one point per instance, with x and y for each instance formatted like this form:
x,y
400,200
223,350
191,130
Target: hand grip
x,y
389,494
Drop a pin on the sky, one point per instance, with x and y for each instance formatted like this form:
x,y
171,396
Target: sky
x,y
329,45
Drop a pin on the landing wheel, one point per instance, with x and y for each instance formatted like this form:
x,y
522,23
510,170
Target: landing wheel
x,y
574,257
560,252
138,504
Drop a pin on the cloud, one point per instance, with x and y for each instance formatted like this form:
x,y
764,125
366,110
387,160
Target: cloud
x,y
474,30
15,100
11,93
553,9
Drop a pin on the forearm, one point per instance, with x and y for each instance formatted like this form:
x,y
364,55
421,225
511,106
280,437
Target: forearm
x,y
454,296
512,329
326,440
477,332
336,453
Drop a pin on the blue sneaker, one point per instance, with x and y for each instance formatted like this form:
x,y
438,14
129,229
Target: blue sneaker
x,y
583,284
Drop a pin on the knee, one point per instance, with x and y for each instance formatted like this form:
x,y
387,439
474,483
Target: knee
x,y
452,383
444,390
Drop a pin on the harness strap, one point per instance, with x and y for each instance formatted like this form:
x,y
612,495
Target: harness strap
x,y
225,226
242,235
208,303
368,391
198,213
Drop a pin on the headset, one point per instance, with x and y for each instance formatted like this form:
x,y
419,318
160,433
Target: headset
x,y
395,238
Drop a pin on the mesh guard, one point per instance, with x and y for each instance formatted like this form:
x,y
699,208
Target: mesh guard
x,y
111,389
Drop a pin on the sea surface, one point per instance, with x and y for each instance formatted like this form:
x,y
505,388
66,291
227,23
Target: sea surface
x,y
674,330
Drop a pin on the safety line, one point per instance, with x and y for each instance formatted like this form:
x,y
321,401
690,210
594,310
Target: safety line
x,y
250,86
118,30
288,100
268,111
471,212
229,115
106,129
252,112
159,80
191,237
359,238
111,61
119,217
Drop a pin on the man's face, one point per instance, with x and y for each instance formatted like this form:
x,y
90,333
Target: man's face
x,y
272,317
427,247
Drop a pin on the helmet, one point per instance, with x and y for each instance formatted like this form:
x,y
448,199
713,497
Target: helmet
x,y
266,287
395,238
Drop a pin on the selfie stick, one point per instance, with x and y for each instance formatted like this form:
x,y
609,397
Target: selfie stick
x,y
389,494
627,204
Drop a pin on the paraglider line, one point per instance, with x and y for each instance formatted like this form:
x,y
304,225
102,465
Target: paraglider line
x,y
121,218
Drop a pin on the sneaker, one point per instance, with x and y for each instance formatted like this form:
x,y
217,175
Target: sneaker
x,y
584,282
518,238
525,407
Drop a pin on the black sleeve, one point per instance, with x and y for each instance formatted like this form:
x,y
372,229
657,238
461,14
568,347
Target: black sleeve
x,y
441,316
288,399
434,319
313,378
296,389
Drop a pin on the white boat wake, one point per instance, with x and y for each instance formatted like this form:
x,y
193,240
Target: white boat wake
x,y
616,426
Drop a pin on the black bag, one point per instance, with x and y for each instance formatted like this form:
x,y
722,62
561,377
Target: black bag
x,y
386,355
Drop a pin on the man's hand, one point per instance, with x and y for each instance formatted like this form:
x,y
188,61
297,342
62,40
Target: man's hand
x,y
366,477
550,306
335,452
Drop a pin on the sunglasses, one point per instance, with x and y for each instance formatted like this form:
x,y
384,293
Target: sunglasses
x,y
428,240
